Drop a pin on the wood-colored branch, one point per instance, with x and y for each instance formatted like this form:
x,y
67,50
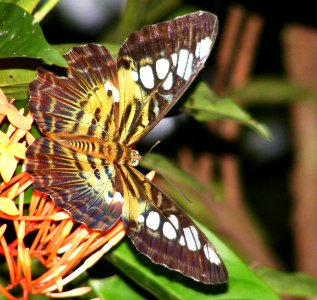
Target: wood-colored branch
x,y
300,52
238,41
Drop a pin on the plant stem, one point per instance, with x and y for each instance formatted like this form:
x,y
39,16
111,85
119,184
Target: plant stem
x,y
45,9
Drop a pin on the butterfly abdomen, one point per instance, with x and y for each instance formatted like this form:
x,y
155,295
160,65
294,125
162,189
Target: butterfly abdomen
x,y
111,152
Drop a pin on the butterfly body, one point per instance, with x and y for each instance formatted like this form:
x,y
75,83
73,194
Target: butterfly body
x,y
110,152
91,120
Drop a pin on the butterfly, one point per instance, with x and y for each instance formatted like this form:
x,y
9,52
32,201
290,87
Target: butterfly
x,y
91,120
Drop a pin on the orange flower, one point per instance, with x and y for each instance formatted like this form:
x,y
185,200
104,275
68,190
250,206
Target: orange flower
x,y
11,149
38,229
14,116
10,153
58,243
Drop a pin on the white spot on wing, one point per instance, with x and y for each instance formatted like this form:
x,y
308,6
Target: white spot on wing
x,y
162,67
107,198
117,197
108,86
168,82
189,67
115,94
153,220
190,240
196,237
140,219
182,62
211,255
134,76
182,241
147,77
168,97
169,231
174,221
174,59
197,51
205,47
156,111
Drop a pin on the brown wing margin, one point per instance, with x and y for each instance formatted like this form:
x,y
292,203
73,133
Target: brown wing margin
x,y
161,231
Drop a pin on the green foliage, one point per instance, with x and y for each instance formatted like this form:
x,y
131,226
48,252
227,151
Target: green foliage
x,y
155,161
114,287
270,90
205,106
22,36
138,13
289,284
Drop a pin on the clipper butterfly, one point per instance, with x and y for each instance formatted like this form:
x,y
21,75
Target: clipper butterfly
x,y
91,119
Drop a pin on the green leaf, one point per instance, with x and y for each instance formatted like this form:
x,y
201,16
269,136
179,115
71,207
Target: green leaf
x,y
137,13
14,82
167,284
205,106
22,36
155,161
28,5
289,284
157,10
113,287
270,90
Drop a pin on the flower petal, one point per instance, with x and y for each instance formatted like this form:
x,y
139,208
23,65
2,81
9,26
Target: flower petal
x,y
18,150
4,108
3,98
18,120
8,164
8,206
29,138
4,139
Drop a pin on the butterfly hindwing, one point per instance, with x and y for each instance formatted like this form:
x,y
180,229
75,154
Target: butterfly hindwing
x,y
160,230
155,68
80,184
81,104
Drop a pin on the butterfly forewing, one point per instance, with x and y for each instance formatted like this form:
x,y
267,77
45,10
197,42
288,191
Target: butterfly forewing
x,y
155,67
81,104
93,116
160,230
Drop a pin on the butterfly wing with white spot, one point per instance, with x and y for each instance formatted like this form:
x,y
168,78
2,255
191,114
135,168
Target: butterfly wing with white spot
x,y
160,230
81,184
155,67
81,104
79,107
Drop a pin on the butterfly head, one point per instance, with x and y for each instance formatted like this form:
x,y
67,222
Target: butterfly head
x,y
135,158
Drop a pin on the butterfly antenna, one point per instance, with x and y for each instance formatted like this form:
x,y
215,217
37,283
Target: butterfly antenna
x,y
153,147
169,181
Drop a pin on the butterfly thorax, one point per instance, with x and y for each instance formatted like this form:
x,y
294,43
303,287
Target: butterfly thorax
x,y
110,151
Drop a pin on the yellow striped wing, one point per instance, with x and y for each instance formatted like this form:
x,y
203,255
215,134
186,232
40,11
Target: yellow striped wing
x,y
82,103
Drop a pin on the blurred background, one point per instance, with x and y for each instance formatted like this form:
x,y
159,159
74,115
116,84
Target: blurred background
x,y
265,189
